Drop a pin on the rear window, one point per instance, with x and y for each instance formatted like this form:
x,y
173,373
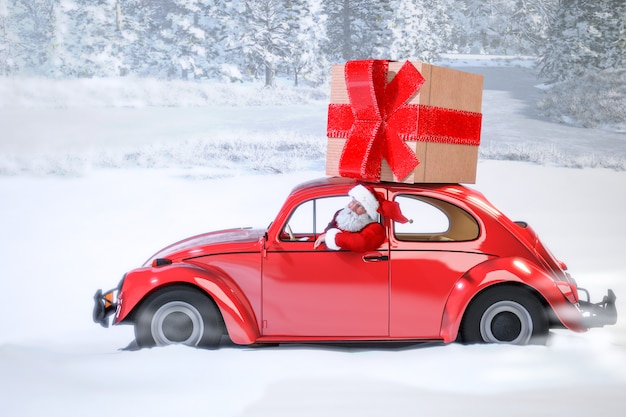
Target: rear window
x,y
433,220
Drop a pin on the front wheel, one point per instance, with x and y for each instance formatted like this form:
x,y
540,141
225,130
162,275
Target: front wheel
x,y
505,315
178,316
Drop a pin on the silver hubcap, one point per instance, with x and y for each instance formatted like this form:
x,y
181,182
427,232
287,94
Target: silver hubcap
x,y
177,322
506,322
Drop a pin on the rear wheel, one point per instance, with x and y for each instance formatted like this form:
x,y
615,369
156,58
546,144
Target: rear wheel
x,y
505,315
178,316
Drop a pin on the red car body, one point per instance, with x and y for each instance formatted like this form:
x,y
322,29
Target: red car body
x,y
271,286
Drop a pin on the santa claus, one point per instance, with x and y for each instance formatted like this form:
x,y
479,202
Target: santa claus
x,y
356,227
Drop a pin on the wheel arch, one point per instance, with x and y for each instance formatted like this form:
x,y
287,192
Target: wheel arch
x,y
517,299
501,273
236,313
131,317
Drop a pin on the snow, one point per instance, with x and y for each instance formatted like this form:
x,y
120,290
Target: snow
x,y
69,231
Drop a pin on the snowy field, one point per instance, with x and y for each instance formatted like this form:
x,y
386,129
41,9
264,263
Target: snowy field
x,y
89,192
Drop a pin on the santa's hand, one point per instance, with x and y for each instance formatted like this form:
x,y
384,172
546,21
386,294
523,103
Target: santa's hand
x,y
321,239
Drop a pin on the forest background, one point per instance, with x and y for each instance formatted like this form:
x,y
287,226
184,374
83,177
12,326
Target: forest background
x,y
266,40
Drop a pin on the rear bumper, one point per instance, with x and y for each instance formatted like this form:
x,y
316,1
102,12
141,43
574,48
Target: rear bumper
x,y
598,314
104,306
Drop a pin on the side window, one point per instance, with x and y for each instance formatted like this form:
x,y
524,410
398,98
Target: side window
x,y
434,220
310,218
301,220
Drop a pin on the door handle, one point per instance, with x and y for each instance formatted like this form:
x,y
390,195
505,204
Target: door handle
x,y
375,258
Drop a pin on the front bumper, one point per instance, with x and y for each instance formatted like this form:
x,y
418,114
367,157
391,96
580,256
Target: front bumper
x,y
598,314
104,305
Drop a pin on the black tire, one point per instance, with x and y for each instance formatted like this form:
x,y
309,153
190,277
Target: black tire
x,y
178,315
510,315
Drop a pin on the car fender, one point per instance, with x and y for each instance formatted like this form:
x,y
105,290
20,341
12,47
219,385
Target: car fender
x,y
498,271
236,311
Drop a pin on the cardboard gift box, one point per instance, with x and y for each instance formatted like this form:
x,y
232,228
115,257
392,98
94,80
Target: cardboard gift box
x,y
404,122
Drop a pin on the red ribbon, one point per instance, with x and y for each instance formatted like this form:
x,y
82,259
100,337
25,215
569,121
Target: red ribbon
x,y
378,121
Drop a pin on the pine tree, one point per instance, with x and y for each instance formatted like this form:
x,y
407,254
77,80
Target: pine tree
x,y
305,36
140,23
184,38
28,31
7,41
264,36
504,26
529,25
422,29
215,25
91,40
338,30
620,49
173,39
584,36
357,29
375,35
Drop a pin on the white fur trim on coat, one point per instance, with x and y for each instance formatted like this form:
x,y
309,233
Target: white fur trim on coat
x,y
366,198
330,239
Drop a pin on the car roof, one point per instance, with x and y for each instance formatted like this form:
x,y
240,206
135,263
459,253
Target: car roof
x,y
451,189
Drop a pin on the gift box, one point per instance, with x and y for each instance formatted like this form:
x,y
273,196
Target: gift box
x,y
403,122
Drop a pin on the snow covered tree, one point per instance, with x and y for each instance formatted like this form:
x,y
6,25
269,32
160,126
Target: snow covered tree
x,y
139,24
585,35
357,29
27,31
338,30
161,40
235,39
374,34
503,26
185,39
620,49
264,36
530,24
483,24
91,38
7,41
421,29
215,25
305,36
174,39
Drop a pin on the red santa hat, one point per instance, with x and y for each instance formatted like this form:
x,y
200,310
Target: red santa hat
x,y
391,209
374,203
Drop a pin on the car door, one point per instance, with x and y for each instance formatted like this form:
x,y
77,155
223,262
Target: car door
x,y
322,293
427,257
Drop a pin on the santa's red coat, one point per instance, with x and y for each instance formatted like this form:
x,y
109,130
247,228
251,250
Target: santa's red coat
x,y
368,239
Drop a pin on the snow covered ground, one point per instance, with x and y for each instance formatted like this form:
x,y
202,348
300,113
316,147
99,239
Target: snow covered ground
x,y
88,193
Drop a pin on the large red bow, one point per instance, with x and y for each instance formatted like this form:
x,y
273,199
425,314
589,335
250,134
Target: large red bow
x,y
377,121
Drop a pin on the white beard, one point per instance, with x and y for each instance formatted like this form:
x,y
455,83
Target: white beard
x,y
349,221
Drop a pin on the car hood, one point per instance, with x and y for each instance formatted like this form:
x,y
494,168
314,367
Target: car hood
x,y
231,240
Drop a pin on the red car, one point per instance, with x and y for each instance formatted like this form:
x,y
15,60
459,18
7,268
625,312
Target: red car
x,y
460,270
